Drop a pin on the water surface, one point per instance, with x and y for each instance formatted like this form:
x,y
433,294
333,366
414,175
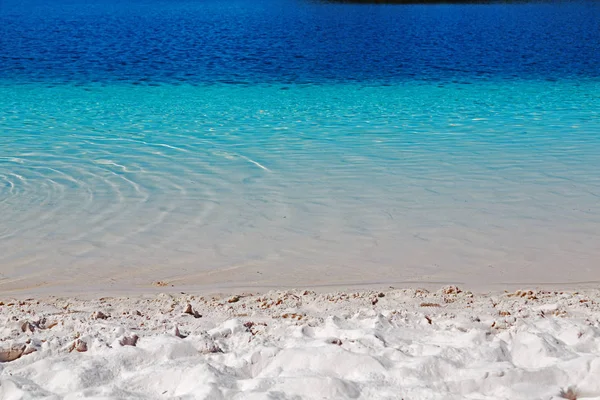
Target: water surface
x,y
298,143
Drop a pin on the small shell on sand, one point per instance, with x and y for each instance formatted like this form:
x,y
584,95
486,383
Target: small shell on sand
x,y
426,304
129,340
51,324
451,290
528,294
40,324
210,347
570,394
178,334
12,353
99,315
78,345
43,323
27,327
190,311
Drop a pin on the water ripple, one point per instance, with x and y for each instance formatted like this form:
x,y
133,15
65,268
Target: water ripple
x,y
415,181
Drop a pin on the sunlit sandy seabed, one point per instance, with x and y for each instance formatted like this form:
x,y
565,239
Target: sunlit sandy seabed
x,y
235,185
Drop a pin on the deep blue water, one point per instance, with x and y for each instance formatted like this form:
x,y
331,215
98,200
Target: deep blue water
x,y
295,41
298,142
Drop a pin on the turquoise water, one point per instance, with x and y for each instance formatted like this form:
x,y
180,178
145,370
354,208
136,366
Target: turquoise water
x,y
296,142
332,184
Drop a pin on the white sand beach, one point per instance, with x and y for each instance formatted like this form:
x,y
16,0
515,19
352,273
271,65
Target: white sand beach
x,y
393,344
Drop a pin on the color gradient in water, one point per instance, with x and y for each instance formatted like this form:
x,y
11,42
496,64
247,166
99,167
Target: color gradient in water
x,y
298,143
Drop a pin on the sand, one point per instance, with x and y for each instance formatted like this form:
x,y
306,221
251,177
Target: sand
x,y
392,344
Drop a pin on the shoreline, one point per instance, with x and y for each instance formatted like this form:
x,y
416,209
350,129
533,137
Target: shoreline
x,y
445,343
165,286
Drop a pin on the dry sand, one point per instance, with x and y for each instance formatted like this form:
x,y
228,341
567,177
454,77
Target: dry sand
x,y
391,344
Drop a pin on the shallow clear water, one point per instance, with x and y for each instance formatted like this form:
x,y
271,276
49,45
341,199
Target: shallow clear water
x,y
294,143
